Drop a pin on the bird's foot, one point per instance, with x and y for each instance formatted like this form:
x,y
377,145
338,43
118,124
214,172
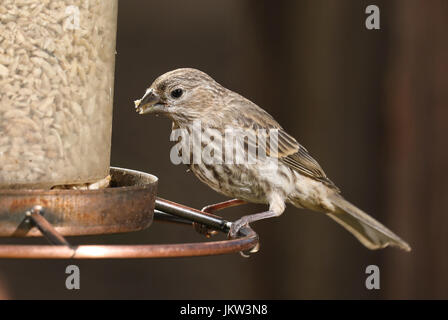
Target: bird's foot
x,y
204,230
237,226
244,222
235,229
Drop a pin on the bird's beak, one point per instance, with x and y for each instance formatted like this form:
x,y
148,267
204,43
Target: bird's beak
x,y
150,103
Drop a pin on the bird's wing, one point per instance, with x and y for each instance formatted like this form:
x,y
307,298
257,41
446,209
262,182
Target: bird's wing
x,y
302,162
289,151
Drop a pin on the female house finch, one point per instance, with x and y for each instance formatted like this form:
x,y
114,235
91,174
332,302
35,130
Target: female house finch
x,y
187,95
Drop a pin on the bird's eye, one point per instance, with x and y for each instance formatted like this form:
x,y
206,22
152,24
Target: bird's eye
x,y
176,93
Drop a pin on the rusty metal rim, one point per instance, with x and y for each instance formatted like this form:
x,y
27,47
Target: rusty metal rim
x,y
128,251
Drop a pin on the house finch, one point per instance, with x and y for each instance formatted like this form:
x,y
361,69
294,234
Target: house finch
x,y
187,95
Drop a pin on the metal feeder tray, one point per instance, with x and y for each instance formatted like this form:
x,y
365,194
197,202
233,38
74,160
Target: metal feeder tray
x,y
129,204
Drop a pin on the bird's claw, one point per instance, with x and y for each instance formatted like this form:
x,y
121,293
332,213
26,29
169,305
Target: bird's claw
x,y
236,227
233,233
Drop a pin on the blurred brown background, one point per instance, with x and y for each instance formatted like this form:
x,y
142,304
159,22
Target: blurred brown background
x,y
371,106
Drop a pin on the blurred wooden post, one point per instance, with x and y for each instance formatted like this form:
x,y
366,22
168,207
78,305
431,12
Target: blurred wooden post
x,y
417,115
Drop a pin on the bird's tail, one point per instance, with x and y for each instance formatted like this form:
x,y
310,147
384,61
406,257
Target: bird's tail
x,y
367,230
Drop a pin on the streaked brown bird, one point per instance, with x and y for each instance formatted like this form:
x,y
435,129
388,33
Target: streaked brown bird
x,y
187,95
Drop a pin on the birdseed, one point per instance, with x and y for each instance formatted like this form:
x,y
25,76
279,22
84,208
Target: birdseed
x,y
57,60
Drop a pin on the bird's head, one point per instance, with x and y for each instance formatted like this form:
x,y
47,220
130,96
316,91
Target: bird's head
x,y
182,95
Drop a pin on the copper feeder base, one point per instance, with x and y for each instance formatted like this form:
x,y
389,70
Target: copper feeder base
x,y
128,205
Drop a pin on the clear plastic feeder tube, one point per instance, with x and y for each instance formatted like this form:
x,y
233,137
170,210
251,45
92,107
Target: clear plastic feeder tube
x,y
57,61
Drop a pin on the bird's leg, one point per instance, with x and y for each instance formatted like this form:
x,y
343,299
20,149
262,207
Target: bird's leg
x,y
276,208
202,229
245,220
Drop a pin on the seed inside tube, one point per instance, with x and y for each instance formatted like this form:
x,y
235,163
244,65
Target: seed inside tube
x,y
55,92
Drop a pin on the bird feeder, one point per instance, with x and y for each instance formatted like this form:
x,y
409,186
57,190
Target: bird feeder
x,y
57,61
